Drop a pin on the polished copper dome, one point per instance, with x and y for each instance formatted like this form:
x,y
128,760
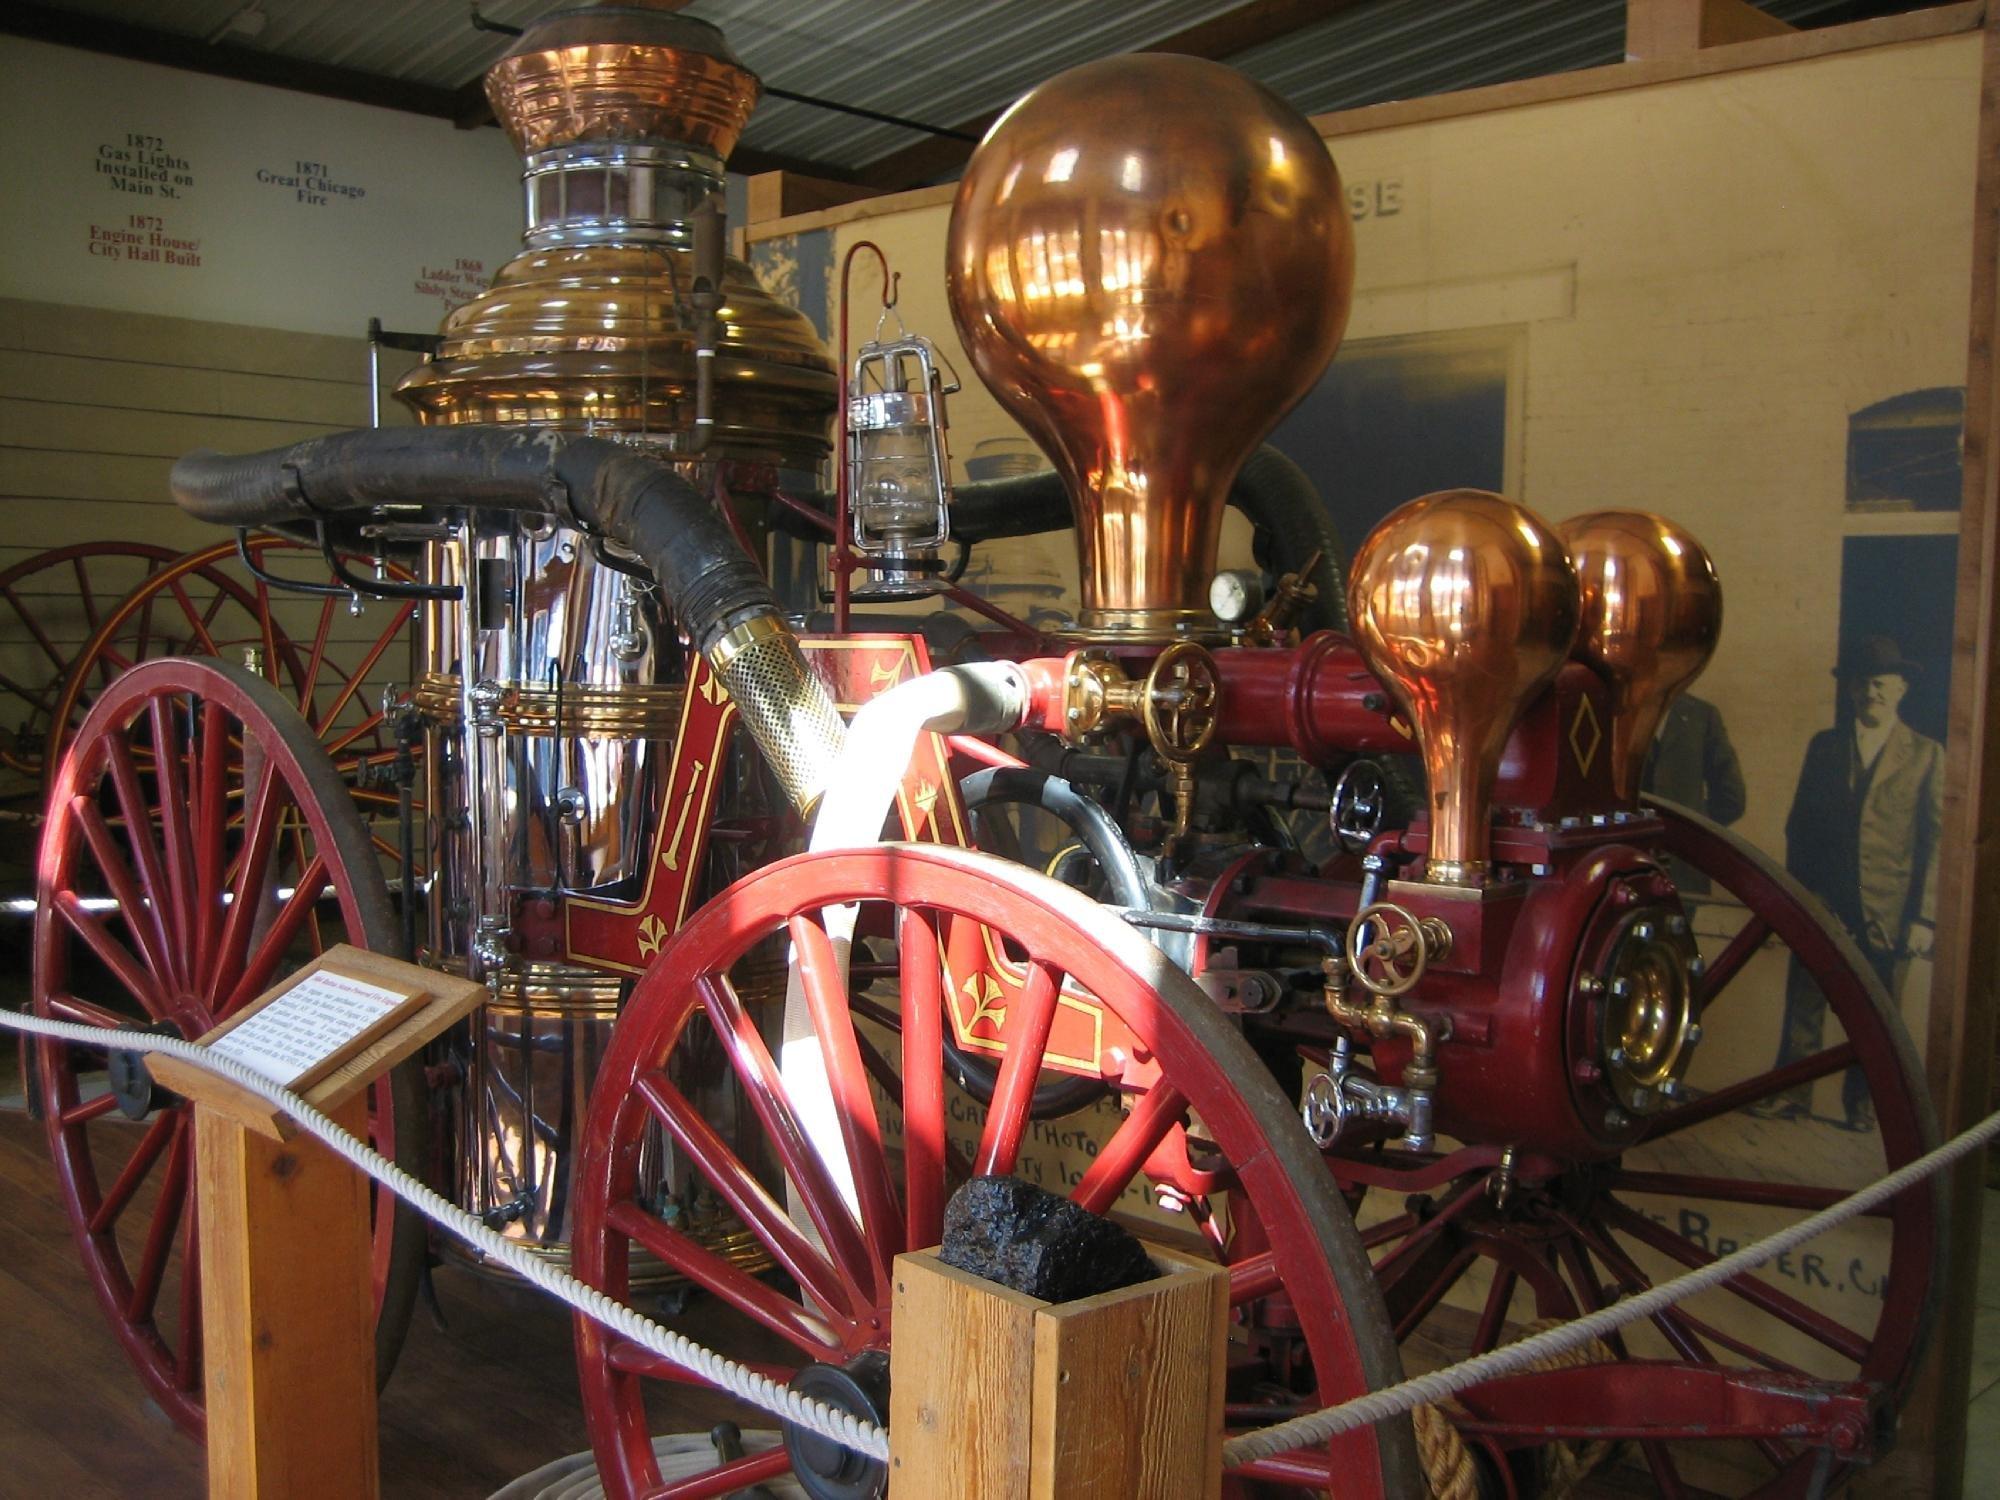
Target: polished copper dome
x,y
1652,614
1150,261
1465,605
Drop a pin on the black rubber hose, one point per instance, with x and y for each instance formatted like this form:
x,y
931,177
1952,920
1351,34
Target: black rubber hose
x,y
1083,817
634,498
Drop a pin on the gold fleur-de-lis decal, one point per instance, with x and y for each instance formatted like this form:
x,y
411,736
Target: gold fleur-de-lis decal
x,y
983,990
881,676
711,687
927,795
652,932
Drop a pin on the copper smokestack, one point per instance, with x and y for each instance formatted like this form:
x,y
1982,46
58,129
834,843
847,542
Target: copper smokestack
x,y
623,114
1149,262
1652,613
1465,605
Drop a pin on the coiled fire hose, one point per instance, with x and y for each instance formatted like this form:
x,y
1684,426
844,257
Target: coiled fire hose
x,y
866,1437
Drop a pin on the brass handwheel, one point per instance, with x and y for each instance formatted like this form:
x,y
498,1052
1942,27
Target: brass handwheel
x,y
1180,705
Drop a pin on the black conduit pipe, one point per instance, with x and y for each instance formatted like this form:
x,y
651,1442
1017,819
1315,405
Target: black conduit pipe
x,y
715,589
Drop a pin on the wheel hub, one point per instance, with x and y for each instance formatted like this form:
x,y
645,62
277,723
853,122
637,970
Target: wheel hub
x,y
823,1468
131,1082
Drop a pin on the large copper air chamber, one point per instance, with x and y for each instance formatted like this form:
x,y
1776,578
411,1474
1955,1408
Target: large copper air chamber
x,y
1150,261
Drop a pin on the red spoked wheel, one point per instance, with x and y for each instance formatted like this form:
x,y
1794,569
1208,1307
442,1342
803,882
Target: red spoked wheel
x,y
330,663
51,605
1770,1383
1294,1242
198,846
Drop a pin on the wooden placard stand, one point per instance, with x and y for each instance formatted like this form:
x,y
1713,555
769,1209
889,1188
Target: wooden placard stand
x,y
998,1396
287,1293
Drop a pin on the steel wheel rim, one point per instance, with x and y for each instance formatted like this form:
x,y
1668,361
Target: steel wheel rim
x,y
183,991
1193,1044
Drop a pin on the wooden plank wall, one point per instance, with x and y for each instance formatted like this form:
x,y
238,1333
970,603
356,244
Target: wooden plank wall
x,y
95,405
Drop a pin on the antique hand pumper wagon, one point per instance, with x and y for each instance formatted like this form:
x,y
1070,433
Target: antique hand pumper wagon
x,y
1455,1062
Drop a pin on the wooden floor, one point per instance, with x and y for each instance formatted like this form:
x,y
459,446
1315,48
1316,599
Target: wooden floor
x,y
474,1403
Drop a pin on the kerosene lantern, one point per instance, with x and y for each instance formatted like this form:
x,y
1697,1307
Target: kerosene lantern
x,y
898,466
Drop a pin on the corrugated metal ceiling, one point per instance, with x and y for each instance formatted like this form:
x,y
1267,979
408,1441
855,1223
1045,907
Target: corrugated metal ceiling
x,y
950,62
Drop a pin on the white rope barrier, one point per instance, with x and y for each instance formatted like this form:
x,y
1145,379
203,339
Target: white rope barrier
x,y
816,1416
866,1437
1394,1401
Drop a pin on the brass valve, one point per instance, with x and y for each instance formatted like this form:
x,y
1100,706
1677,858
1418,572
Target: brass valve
x,y
1178,703
1388,948
1293,594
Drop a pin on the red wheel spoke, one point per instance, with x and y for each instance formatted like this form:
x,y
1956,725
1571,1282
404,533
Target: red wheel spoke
x,y
1751,1090
197,621
343,740
147,1152
1155,1113
1760,1294
1493,1316
187,1359
169,776
174,1194
1729,1190
253,867
83,593
141,919
1387,1230
736,1475
35,629
1253,1278
113,954
723,1170
211,812
1736,953
365,666
784,1317
1309,1468
632,1358
145,851
90,1109
1026,1033
847,1079
1450,1266
277,939
317,656
921,994
86,1012
765,1089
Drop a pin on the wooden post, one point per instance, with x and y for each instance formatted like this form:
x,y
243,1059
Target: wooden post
x,y
288,1313
287,1264
999,1396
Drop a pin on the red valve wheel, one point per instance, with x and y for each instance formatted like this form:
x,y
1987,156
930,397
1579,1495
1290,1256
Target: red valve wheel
x,y
196,833
1753,1387
1291,1239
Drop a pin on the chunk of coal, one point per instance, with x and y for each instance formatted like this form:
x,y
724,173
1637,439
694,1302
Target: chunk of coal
x,y
1013,1232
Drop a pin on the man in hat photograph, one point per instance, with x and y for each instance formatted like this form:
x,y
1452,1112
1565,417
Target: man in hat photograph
x,y
1863,837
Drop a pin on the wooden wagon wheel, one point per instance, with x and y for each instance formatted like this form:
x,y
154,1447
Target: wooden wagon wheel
x,y
51,605
1292,1234
331,675
163,903
1734,1159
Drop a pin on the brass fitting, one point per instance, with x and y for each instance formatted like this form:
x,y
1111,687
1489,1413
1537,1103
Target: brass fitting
x,y
1177,702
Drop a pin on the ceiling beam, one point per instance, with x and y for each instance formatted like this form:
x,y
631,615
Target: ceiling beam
x,y
1235,30
45,23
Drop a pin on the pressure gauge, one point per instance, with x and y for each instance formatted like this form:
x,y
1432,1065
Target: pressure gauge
x,y
1236,594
